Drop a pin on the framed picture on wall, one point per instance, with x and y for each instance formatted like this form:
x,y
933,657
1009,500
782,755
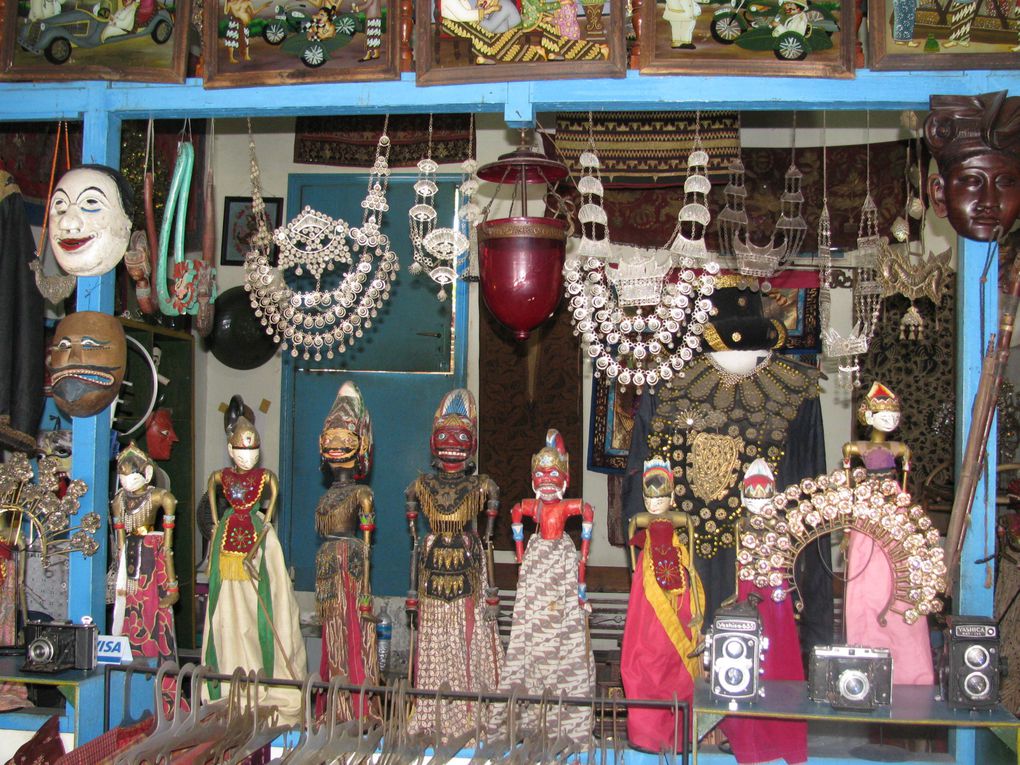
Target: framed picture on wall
x,y
267,42
239,226
138,40
784,38
943,34
500,40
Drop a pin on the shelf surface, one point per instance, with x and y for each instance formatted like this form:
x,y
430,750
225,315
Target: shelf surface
x,y
911,705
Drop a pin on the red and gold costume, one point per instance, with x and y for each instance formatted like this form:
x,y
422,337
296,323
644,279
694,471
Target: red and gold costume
x,y
252,618
549,645
146,586
452,592
664,614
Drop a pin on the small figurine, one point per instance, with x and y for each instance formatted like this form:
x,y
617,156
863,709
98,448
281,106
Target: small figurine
x,y
90,220
975,141
146,583
252,618
550,649
869,577
453,597
345,517
664,613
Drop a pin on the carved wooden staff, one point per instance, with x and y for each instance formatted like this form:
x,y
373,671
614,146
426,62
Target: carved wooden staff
x,y
992,369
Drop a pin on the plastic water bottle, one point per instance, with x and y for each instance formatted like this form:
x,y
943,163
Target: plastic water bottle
x,y
383,636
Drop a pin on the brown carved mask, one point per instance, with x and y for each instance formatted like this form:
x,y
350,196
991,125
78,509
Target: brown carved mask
x,y
160,435
86,364
975,141
979,196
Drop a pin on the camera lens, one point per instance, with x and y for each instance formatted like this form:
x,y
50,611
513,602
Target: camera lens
x,y
976,657
976,685
734,648
854,685
734,679
41,650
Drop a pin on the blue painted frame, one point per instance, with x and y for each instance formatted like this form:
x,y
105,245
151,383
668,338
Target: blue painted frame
x,y
104,105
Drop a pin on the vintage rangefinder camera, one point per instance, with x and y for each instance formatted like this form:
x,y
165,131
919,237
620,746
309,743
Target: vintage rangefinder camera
x,y
850,677
57,646
971,663
734,651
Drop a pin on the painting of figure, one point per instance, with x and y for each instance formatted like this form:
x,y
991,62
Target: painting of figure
x,y
944,34
268,42
499,40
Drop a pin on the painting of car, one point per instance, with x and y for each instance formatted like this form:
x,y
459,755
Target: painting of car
x,y
790,29
55,37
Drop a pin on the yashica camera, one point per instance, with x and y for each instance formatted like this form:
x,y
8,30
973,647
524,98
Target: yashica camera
x,y
971,664
734,651
57,646
850,677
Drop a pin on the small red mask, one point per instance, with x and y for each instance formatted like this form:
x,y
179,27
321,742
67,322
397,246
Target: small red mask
x,y
160,435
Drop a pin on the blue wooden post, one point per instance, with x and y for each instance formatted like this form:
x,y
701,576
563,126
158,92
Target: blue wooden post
x,y
91,435
976,310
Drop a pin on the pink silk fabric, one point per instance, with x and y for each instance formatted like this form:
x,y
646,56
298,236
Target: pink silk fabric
x,y
869,583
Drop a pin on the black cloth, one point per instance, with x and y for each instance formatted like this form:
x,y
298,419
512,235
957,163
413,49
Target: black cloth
x,y
804,457
22,327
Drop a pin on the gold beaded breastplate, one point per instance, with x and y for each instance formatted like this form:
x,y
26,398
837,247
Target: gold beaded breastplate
x,y
451,560
338,511
712,425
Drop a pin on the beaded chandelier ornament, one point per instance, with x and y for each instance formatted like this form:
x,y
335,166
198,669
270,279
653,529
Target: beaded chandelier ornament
x,y
438,251
640,312
787,236
845,350
777,532
23,497
911,274
317,320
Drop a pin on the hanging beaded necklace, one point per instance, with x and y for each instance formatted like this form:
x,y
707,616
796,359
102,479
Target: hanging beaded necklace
x,y
319,320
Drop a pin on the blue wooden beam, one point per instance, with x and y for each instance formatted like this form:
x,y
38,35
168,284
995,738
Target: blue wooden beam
x,y
91,435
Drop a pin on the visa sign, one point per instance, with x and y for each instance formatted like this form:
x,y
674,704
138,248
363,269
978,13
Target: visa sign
x,y
111,649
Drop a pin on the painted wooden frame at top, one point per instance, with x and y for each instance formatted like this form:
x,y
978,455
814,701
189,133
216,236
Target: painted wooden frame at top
x,y
430,72
765,65
913,59
386,67
113,70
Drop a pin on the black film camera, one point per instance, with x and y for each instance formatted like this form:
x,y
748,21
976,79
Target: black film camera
x,y
971,664
850,677
734,651
56,646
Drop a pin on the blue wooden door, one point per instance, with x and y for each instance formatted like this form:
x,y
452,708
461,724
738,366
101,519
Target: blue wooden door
x,y
403,365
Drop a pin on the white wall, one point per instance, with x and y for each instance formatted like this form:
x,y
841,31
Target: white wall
x,y
275,141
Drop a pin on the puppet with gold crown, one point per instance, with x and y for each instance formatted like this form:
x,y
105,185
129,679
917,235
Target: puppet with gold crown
x,y
345,517
252,619
664,614
453,600
870,577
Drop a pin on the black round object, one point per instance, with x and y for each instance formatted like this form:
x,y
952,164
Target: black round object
x,y
238,340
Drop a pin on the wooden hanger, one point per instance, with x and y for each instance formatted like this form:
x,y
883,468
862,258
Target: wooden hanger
x,y
145,749
307,714
263,731
163,716
199,726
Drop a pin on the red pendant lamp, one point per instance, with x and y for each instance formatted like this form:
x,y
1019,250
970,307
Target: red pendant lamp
x,y
520,258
